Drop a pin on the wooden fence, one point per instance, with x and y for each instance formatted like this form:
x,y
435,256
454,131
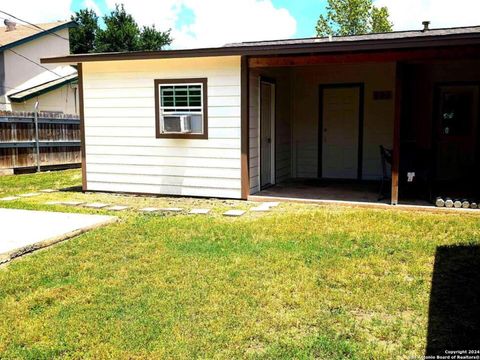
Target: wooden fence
x,y
58,140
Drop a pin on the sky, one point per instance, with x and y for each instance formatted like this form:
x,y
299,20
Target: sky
x,y
203,23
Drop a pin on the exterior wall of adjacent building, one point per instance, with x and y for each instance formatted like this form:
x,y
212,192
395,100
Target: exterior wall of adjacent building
x,y
122,151
18,72
62,100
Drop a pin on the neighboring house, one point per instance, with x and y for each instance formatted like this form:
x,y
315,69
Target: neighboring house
x,y
230,121
23,81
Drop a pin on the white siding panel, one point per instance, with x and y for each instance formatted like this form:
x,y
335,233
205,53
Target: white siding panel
x,y
223,122
183,171
148,91
228,90
149,112
214,133
111,111
163,161
232,111
122,151
167,180
222,101
213,122
150,142
163,189
164,151
119,81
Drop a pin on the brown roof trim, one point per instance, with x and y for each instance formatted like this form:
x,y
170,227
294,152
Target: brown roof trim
x,y
280,49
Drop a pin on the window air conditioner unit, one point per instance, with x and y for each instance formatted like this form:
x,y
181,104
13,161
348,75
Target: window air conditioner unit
x,y
177,124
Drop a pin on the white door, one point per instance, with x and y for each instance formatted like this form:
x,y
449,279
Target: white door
x,y
340,133
267,134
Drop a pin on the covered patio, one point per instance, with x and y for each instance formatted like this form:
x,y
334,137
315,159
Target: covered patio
x,y
395,126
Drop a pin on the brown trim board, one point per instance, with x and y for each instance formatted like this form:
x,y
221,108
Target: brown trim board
x,y
204,82
245,161
266,49
82,126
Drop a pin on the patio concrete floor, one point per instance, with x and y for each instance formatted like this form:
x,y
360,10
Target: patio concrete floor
x,y
23,231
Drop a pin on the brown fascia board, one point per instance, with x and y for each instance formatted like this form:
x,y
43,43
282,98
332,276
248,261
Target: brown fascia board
x,y
279,49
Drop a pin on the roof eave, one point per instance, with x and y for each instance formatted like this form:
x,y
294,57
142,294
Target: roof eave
x,y
68,79
67,25
283,49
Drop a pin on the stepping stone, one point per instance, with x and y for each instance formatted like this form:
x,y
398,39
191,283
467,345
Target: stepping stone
x,y
53,203
29,195
10,198
72,203
199,211
234,213
260,208
48,191
149,209
96,205
118,208
171,209
270,204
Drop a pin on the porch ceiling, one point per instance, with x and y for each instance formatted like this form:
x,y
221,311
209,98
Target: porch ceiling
x,y
432,54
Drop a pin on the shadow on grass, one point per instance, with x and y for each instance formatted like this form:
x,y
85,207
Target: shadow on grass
x,y
454,311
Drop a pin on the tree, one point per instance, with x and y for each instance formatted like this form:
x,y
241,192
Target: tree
x,y
380,20
353,17
121,33
82,37
151,39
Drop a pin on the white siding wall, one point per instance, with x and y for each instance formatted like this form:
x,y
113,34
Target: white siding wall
x,y
122,152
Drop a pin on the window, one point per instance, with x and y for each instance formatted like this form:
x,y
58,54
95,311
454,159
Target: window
x,y
181,108
457,111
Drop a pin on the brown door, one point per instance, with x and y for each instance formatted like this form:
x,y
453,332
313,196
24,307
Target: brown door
x,y
457,128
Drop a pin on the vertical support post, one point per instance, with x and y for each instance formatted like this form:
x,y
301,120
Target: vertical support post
x,y
37,142
396,132
245,173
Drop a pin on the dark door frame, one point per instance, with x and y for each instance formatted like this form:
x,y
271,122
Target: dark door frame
x,y
361,111
273,82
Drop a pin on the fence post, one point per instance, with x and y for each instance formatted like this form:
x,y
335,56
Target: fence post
x,y
37,143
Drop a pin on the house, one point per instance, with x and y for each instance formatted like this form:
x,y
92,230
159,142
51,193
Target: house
x,y
24,81
299,117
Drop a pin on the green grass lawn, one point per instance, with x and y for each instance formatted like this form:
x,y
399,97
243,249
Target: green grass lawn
x,y
303,281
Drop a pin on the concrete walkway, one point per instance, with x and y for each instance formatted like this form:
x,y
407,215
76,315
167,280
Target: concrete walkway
x,y
23,231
